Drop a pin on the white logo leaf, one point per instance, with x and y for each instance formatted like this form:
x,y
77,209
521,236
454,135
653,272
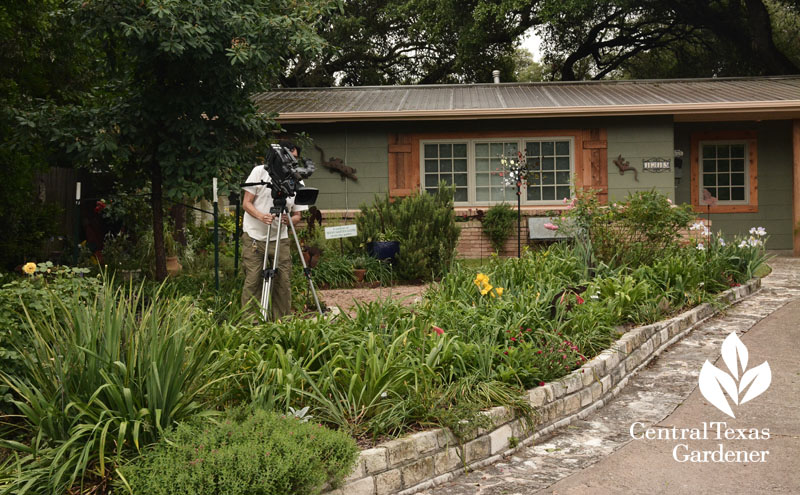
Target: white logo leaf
x,y
732,348
712,381
761,376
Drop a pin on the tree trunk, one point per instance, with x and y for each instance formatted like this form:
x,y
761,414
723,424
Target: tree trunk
x,y
178,214
158,220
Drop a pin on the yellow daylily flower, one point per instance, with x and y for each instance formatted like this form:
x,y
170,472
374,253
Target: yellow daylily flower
x,y
29,268
499,291
486,289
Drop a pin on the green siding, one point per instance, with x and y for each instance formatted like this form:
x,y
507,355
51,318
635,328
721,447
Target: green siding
x,y
774,180
637,139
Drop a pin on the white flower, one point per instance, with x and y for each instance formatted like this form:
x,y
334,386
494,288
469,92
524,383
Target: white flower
x,y
743,244
700,246
697,226
706,232
721,241
759,231
754,242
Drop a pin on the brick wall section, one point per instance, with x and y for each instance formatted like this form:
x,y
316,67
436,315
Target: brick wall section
x,y
425,459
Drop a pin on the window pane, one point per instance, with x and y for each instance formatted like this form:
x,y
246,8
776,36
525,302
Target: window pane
x,y
548,193
482,194
461,179
547,148
460,195
562,163
709,166
562,177
496,180
534,164
723,151
431,180
532,149
460,150
737,151
446,165
431,151
709,151
562,147
724,194
737,193
723,165
724,180
497,193
482,165
482,150
446,179
460,165
737,179
709,180
482,179
535,178
548,178
496,149
534,194
431,190
511,149
562,192
445,150
431,166
548,163
737,165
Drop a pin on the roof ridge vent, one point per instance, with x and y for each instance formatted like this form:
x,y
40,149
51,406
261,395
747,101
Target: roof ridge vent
x,y
496,76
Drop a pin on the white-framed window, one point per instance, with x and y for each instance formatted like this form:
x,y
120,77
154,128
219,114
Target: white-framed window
x,y
473,166
724,171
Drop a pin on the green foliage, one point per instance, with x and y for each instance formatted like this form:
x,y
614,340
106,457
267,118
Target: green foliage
x,y
634,232
103,378
258,453
425,225
498,223
33,293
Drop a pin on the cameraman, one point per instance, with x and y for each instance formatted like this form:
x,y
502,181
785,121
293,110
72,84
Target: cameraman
x,y
257,204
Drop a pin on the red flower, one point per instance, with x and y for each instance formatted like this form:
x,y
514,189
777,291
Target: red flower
x,y
438,330
541,384
580,299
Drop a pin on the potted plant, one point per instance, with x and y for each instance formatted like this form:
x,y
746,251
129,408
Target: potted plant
x,y
359,268
385,246
171,248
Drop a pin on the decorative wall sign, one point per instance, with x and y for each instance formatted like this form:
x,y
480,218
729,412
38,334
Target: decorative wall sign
x,y
340,231
656,165
623,165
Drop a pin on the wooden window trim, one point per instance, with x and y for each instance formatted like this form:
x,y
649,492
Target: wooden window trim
x,y
751,137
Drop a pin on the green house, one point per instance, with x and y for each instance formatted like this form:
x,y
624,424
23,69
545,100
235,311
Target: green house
x,y
728,146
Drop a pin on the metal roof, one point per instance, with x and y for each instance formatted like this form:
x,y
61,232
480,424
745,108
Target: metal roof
x,y
777,96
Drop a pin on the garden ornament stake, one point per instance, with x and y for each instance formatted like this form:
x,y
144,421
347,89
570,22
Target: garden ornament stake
x,y
515,172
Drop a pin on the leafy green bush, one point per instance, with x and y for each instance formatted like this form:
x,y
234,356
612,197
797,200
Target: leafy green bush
x,y
247,453
424,225
103,378
33,293
498,223
631,233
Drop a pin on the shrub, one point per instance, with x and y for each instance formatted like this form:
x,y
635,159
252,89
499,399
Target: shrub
x,y
425,225
632,233
498,223
105,377
250,454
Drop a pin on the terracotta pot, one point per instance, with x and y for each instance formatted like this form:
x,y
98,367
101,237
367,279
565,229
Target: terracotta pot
x,y
173,266
359,274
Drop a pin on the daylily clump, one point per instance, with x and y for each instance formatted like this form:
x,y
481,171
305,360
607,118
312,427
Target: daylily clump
x,y
482,282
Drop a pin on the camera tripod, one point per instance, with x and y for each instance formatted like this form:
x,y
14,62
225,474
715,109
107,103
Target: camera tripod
x,y
279,210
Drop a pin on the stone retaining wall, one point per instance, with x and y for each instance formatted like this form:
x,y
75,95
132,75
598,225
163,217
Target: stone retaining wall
x,y
422,460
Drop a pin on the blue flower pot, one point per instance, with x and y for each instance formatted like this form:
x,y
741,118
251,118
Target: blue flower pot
x,y
383,250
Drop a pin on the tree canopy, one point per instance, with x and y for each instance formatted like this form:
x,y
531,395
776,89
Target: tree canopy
x,y
173,105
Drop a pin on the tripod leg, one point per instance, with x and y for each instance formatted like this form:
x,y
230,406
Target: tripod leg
x,y
306,269
271,273
265,275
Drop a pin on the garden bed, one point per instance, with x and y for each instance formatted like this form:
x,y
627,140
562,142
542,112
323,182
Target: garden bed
x,y
429,458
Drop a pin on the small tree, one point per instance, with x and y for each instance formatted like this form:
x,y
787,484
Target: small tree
x,y
174,108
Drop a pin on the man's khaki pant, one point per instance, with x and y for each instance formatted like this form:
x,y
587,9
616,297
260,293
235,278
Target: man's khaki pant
x,y
253,262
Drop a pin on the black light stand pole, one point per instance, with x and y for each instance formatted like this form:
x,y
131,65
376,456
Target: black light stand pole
x,y
235,198
216,234
519,222
77,229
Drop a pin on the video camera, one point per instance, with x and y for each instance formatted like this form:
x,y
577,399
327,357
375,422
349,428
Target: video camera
x,y
286,172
